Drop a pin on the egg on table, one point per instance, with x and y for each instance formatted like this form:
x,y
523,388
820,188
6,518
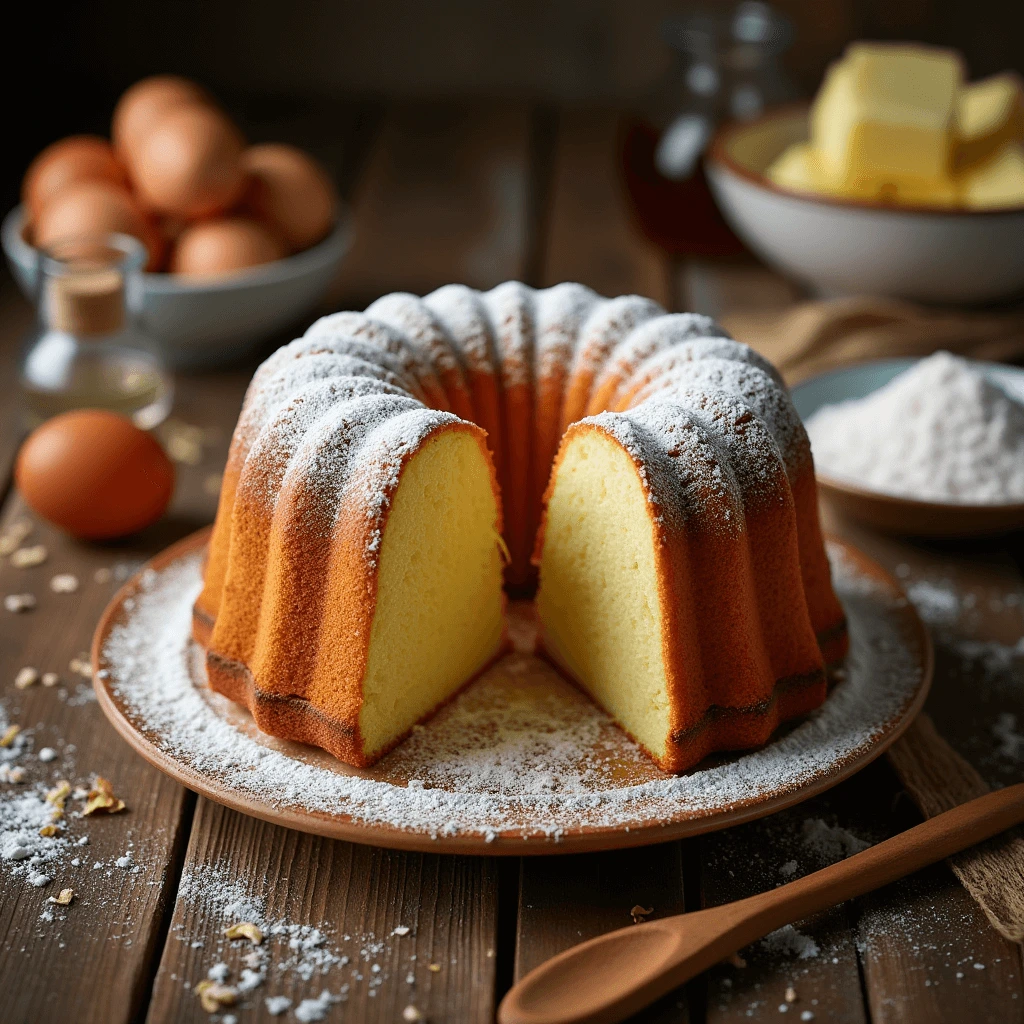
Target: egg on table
x,y
94,474
66,162
92,208
290,192
188,164
216,247
142,105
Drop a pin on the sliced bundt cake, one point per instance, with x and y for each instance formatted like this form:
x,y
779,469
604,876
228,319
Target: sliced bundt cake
x,y
392,469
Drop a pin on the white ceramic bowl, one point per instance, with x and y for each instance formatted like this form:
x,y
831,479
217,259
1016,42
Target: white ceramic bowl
x,y
202,323
849,247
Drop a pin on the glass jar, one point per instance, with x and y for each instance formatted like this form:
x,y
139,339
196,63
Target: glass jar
x,y
87,349
726,66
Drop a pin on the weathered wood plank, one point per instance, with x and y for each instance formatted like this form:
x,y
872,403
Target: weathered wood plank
x,y
921,938
590,235
567,900
94,960
814,963
742,285
90,961
445,196
355,897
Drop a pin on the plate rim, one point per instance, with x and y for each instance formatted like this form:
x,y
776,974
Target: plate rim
x,y
582,840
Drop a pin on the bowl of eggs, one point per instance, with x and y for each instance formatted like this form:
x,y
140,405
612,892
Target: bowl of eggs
x,y
242,240
901,179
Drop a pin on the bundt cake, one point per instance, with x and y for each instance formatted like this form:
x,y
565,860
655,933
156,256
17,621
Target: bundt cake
x,y
393,471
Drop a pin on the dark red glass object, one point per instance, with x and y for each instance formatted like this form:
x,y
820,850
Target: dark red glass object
x,y
678,216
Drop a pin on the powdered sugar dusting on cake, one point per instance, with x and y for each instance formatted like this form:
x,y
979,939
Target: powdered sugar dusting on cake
x,y
609,322
462,313
683,466
511,308
408,314
360,327
278,443
278,387
485,765
400,363
767,400
561,312
679,355
654,336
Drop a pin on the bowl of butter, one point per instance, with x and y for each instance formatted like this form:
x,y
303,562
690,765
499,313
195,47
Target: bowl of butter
x,y
901,179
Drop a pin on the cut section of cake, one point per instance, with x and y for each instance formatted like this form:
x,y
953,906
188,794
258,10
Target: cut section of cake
x,y
392,470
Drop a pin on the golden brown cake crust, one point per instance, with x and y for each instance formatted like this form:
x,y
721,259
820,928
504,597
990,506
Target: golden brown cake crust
x,y
525,365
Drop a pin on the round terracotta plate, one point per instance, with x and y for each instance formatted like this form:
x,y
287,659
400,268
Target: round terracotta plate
x,y
520,762
891,513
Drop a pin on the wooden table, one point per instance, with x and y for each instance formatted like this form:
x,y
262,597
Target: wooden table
x,y
477,194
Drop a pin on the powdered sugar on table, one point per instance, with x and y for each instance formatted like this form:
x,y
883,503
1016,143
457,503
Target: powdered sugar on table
x,y
520,754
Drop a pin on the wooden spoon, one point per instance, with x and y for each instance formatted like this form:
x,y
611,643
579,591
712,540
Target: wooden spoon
x,y
613,976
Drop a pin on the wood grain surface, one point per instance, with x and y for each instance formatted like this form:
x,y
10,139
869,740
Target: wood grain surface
x,y
356,896
589,234
445,196
478,194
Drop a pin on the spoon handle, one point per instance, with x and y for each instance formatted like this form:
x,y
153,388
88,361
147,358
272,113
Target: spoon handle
x,y
885,862
616,974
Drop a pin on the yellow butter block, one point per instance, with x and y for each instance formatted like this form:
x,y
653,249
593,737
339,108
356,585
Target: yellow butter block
x,y
799,168
997,183
886,112
990,113
920,192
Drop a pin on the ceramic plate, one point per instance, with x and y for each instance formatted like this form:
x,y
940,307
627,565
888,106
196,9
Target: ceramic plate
x,y
520,762
888,512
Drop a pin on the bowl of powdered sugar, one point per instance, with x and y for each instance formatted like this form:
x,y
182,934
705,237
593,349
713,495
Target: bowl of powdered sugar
x,y
931,447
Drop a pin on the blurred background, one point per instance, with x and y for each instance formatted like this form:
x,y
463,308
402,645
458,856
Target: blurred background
x,y
277,64
543,141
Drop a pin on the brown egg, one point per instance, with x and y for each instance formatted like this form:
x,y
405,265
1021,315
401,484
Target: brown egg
x,y
290,192
215,247
94,474
145,102
67,162
189,163
93,208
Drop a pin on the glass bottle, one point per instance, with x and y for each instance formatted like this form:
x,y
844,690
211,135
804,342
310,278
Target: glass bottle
x,y
87,350
725,67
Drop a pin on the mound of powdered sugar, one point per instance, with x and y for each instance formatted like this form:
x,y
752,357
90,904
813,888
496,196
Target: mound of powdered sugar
x,y
941,431
518,753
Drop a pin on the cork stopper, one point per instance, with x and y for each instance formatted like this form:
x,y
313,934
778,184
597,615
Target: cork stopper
x,y
87,301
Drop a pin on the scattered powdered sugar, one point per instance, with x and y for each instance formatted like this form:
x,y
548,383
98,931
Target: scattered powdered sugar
x,y
941,431
988,725
520,753
787,941
22,849
831,843
295,955
1011,742
315,1009
938,603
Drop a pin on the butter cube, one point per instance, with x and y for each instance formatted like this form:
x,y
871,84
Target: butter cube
x,y
799,168
885,113
990,113
997,183
941,192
